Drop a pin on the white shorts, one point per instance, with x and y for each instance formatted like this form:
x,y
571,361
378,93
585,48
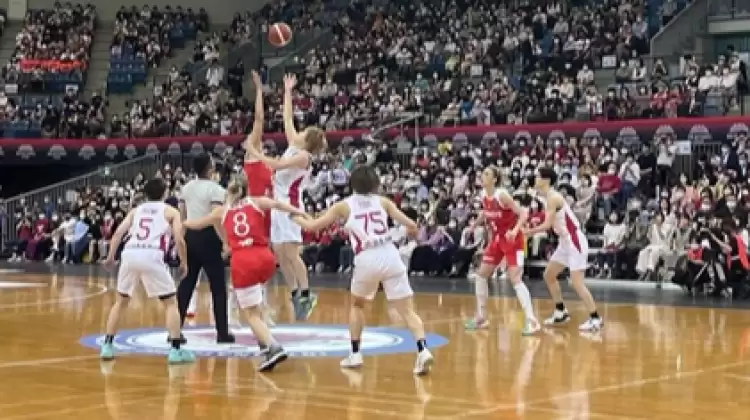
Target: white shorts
x,y
250,296
572,253
146,267
380,265
283,229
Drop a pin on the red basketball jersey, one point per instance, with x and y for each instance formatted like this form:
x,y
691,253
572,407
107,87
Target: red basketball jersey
x,y
500,218
246,225
259,179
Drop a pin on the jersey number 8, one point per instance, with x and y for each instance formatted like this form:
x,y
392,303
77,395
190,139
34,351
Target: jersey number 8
x,y
241,227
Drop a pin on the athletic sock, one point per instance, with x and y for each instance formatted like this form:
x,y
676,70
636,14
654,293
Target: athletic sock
x,y
355,346
176,343
560,306
482,291
421,345
524,298
109,339
595,315
304,293
295,292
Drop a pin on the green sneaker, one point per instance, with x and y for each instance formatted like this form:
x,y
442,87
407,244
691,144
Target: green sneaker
x,y
180,356
476,324
107,352
306,306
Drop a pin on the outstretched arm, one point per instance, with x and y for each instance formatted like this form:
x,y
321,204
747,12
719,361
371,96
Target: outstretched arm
x,y
288,112
266,203
554,203
203,222
337,212
396,214
255,138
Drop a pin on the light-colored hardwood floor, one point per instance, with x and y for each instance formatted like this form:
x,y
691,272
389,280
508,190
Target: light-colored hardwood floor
x,y
650,362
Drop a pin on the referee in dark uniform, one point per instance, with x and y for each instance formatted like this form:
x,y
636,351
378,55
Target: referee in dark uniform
x,y
204,247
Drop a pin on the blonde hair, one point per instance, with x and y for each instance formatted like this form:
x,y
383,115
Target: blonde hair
x,y
315,140
237,187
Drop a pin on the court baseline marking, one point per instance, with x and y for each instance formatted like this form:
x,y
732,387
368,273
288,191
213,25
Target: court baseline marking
x,y
598,390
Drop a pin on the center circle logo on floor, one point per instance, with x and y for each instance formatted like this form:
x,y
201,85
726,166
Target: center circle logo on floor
x,y
298,340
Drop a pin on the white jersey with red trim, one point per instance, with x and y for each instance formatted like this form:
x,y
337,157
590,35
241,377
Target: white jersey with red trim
x,y
566,224
289,183
150,229
367,223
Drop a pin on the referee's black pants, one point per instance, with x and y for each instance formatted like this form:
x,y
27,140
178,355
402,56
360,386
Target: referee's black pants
x,y
204,252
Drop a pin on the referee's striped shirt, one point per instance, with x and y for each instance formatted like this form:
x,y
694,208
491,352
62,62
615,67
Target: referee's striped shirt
x,y
199,197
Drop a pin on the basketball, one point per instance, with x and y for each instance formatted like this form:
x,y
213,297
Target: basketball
x,y
279,34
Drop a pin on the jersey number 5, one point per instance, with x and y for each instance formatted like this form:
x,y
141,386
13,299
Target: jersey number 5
x,y
375,220
144,229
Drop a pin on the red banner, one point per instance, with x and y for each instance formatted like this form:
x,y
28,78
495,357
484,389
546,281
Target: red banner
x,y
51,65
696,130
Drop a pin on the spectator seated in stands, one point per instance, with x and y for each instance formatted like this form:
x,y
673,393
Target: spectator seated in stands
x,y
144,37
52,49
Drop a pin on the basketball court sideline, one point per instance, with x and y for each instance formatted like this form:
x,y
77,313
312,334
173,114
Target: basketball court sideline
x,y
661,355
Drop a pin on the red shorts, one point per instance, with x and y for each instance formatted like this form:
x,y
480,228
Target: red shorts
x,y
500,248
252,266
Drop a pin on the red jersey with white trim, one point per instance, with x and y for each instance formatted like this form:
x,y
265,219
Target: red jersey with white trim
x,y
288,183
499,217
246,225
150,228
259,179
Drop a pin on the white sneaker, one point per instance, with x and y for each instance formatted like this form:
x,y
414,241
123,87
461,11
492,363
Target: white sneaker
x,y
353,361
424,362
591,325
531,327
558,317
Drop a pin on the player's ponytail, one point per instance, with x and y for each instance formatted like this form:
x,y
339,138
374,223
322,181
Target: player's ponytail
x,y
237,187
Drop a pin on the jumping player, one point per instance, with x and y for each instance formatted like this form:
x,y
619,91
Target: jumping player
x,y
149,226
572,252
290,173
376,260
505,218
243,218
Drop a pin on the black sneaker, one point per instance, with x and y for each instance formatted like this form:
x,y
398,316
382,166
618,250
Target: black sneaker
x,y
264,349
183,340
275,355
558,317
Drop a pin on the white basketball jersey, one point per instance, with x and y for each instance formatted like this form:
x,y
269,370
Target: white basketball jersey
x,y
566,223
150,228
367,223
289,183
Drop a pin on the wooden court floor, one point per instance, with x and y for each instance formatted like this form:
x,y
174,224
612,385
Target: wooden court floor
x,y
650,362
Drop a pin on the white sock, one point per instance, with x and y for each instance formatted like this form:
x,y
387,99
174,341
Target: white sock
x,y
482,291
524,298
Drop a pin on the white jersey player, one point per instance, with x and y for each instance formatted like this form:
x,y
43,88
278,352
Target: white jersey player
x,y
290,174
150,226
376,260
572,252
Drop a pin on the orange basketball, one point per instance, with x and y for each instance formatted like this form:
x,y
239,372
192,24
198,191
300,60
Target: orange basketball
x,y
279,34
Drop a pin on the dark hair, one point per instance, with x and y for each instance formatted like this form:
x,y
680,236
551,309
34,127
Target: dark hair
x,y
154,189
364,180
201,164
497,173
548,174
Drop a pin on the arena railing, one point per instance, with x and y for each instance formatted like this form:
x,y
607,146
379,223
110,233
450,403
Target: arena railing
x,y
65,192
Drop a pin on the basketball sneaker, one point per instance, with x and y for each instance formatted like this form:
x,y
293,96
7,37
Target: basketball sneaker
x,y
424,362
180,356
558,317
275,355
591,325
531,327
476,324
107,352
353,361
306,306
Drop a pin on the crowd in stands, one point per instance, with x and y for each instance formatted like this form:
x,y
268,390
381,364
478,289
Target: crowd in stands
x,y
642,212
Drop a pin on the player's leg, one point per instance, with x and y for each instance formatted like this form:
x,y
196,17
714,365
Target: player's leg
x,y
491,258
556,265
577,264
157,282
514,260
307,300
400,296
250,300
127,279
364,287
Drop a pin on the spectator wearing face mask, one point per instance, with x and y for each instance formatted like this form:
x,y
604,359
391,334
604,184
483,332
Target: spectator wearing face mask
x,y
613,235
608,186
471,240
536,218
586,194
660,237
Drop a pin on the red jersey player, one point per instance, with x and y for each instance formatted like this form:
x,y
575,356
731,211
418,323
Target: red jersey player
x,y
504,219
259,175
244,219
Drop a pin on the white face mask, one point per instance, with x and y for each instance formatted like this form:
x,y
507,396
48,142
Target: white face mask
x,y
705,207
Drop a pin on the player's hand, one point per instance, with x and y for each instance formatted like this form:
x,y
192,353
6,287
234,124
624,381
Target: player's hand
x,y
412,232
256,79
290,81
226,252
525,231
109,262
182,270
511,234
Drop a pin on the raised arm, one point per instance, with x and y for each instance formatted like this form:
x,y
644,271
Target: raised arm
x,y
255,138
291,133
118,235
337,212
203,222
